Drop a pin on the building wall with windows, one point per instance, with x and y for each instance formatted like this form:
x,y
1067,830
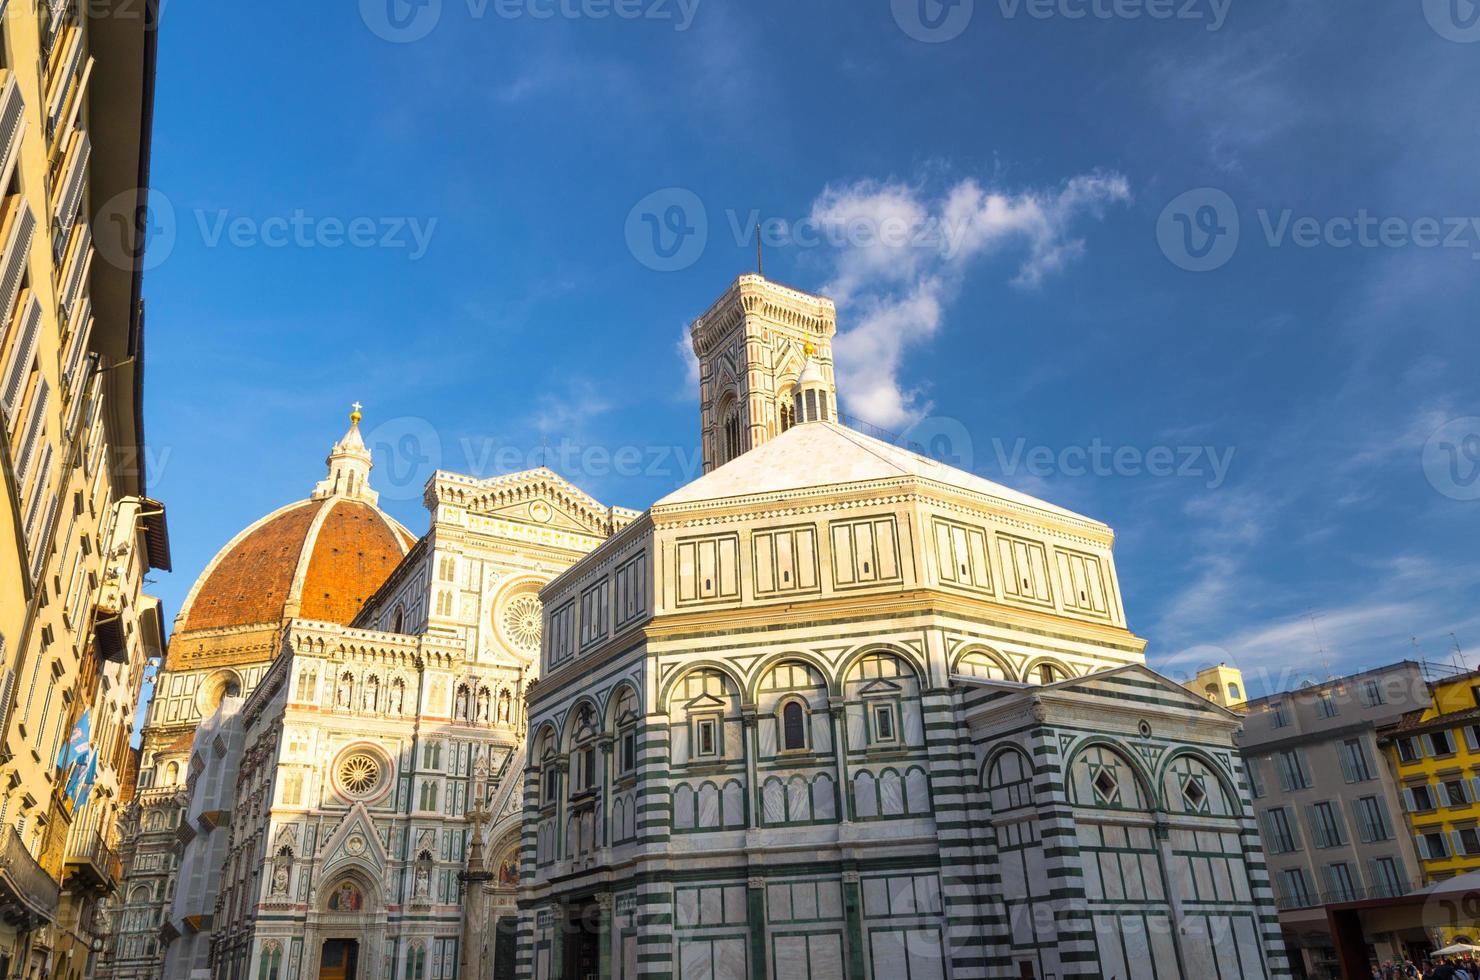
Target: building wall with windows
x,y
76,89
1435,752
1329,809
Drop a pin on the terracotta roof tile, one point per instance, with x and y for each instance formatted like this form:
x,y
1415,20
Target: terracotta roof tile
x,y
354,552
354,549
252,582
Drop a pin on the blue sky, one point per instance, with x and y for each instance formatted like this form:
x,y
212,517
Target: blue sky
x,y
1262,384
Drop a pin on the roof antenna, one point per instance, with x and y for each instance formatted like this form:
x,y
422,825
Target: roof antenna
x,y
1320,645
1463,667
760,258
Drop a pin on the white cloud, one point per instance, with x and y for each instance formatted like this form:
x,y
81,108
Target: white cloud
x,y
904,255
685,350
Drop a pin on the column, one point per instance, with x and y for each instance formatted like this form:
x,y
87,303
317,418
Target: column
x,y
836,709
755,913
558,914
604,935
853,911
752,748
562,787
605,745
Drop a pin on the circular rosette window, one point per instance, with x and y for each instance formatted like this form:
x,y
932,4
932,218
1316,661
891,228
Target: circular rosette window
x,y
520,620
361,773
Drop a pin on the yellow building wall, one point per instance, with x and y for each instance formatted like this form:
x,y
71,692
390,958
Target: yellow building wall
x,y
1457,698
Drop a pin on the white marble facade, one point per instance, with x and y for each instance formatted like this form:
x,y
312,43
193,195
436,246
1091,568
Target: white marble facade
x,y
837,710
374,752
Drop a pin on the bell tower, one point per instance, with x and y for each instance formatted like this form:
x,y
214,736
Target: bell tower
x,y
753,345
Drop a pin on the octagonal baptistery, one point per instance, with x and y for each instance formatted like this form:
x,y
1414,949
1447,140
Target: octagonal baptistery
x,y
864,710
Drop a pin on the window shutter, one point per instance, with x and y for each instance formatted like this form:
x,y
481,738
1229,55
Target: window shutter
x,y
1383,829
1408,804
1459,844
1316,826
1365,817
1294,824
1422,844
1471,742
1338,822
1344,754
1428,744
1475,787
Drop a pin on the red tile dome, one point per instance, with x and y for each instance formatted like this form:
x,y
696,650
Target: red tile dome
x,y
316,559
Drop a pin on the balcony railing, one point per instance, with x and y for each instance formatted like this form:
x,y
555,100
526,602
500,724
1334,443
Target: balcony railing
x,y
1338,895
91,863
27,893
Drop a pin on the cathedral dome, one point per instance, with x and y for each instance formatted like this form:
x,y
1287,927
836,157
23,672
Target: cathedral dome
x,y
317,559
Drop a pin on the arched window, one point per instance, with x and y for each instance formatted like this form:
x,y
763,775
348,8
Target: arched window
x,y
1102,777
1051,673
730,444
583,751
398,620
416,962
1233,693
625,718
1010,781
172,774
787,411
549,771
429,796
982,665
793,726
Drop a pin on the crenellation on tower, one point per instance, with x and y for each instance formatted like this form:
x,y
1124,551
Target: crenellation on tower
x,y
752,346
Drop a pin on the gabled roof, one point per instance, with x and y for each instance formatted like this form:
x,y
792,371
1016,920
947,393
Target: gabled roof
x,y
819,454
1166,687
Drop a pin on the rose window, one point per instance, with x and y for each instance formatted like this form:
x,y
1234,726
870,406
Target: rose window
x,y
359,774
522,621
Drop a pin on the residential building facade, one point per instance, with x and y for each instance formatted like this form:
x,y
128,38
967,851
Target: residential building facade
x,y
1435,751
1329,809
76,629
